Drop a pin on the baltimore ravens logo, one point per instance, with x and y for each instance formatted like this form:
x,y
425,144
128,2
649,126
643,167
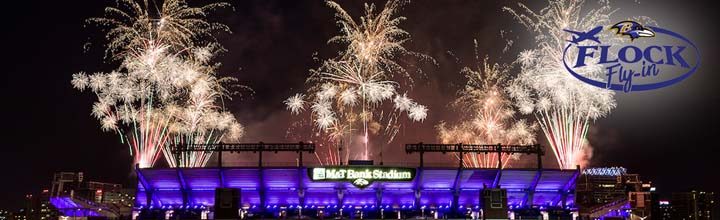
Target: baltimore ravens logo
x,y
632,29
361,183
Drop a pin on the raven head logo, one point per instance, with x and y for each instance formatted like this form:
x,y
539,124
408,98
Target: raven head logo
x,y
632,29
361,183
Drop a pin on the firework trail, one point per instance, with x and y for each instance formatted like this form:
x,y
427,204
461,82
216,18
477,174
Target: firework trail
x,y
348,92
563,105
489,115
165,90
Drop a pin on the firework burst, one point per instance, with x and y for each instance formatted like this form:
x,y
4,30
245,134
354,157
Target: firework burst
x,y
348,92
165,90
563,105
133,24
490,117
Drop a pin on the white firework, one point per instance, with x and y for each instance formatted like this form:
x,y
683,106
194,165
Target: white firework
x,y
327,92
349,97
80,81
487,115
348,89
165,90
402,102
325,121
136,23
295,103
417,112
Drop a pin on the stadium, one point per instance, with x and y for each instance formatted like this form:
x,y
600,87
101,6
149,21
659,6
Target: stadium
x,y
359,190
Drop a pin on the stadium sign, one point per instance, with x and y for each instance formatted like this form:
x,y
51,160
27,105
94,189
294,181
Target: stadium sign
x,y
361,177
653,58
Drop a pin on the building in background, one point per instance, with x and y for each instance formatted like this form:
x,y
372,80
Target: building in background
x,y
73,196
37,206
693,205
64,183
662,210
600,186
73,185
98,192
640,197
611,192
121,200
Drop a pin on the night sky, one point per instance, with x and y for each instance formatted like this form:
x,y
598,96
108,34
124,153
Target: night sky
x,y
669,136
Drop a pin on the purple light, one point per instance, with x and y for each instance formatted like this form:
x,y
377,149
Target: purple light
x,y
281,186
68,207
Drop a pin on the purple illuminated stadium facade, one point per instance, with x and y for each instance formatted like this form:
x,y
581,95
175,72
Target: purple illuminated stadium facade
x,y
271,191
281,186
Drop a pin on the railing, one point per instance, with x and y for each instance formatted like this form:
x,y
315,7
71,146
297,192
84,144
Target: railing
x,y
602,210
460,148
69,207
102,208
473,148
246,147
301,149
